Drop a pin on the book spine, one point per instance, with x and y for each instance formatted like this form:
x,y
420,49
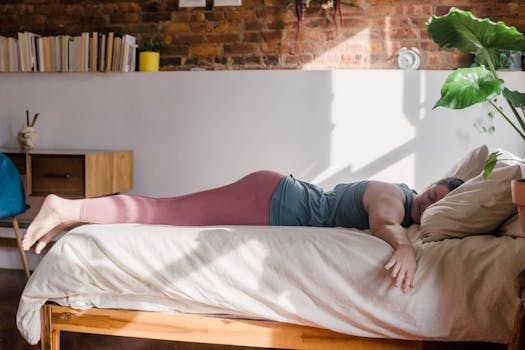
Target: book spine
x,y
109,51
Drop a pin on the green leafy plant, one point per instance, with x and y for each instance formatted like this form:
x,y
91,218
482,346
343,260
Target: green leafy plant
x,y
150,45
468,86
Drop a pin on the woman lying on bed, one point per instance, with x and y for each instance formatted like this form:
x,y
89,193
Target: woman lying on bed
x,y
262,198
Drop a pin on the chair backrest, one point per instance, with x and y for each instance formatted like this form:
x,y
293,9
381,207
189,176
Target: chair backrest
x,y
12,198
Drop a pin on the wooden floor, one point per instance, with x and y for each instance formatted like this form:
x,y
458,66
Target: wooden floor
x,y
11,286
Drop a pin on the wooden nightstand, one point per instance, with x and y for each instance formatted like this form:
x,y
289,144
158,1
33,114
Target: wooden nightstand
x,y
71,174
74,173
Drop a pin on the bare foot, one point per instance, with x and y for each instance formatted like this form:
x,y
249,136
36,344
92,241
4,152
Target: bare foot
x,y
42,242
55,214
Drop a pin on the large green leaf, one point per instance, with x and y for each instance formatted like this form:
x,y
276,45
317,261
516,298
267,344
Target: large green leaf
x,y
467,86
461,30
515,97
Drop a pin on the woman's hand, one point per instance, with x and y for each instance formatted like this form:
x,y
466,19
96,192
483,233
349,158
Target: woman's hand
x,y
385,203
402,266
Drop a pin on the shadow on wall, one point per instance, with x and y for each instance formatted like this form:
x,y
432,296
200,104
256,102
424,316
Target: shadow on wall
x,y
376,124
196,130
385,128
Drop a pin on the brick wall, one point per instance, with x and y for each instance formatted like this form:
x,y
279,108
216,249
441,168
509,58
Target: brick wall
x,y
261,34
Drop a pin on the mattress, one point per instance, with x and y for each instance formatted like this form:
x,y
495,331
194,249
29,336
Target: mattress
x,y
331,278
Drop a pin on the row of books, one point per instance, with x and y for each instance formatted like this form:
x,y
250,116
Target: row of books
x,y
88,52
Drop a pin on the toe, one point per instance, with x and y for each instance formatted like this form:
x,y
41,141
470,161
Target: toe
x,y
40,246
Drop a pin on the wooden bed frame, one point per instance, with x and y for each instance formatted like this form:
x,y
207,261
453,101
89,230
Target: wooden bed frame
x,y
240,332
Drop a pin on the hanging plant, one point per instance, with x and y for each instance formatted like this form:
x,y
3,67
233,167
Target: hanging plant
x,y
301,5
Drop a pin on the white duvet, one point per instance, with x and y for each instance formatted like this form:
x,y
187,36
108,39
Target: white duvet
x,y
325,277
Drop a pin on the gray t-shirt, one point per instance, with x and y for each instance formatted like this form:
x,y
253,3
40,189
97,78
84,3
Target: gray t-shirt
x,y
299,203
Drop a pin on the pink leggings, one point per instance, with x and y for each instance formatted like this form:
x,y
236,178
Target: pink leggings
x,y
245,202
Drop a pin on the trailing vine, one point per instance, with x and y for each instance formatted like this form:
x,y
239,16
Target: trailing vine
x,y
301,5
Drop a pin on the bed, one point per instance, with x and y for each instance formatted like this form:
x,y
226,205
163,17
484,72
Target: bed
x,y
292,287
249,281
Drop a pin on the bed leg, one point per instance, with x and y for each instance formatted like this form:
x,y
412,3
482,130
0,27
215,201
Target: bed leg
x,y
49,337
55,340
517,341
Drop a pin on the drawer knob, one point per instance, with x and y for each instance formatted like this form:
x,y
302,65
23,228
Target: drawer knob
x,y
57,176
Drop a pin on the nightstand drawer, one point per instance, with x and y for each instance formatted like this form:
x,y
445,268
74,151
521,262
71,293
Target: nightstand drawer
x,y
63,175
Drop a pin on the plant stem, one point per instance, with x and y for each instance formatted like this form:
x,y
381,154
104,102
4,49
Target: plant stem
x,y
506,118
489,62
515,112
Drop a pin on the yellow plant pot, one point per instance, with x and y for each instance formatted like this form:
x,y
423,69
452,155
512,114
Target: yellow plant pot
x,y
149,61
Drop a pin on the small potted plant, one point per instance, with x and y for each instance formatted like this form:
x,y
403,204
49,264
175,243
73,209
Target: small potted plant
x,y
149,55
509,60
489,42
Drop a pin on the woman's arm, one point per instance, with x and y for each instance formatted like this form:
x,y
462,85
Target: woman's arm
x,y
385,205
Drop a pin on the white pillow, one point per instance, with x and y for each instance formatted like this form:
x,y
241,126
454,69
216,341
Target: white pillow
x,y
470,165
477,207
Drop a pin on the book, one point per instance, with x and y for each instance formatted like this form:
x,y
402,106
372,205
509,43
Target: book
x,y
84,52
14,56
131,42
48,47
133,57
48,57
58,54
64,51
120,61
4,54
94,52
127,46
24,60
109,51
102,52
40,53
116,54
75,54
32,50
45,61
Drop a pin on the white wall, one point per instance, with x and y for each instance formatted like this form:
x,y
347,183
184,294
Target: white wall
x,y
195,130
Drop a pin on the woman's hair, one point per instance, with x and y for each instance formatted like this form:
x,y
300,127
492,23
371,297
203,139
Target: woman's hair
x,y
451,182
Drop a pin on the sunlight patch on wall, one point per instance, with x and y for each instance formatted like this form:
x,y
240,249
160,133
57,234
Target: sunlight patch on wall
x,y
403,170
354,51
371,136
387,30
422,95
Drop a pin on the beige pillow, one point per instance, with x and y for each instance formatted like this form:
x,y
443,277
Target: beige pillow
x,y
477,207
511,227
470,165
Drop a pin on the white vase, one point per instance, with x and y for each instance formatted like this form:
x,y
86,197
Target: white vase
x,y
27,137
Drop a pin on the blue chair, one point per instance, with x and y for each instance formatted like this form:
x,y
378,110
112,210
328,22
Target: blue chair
x,y
12,201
